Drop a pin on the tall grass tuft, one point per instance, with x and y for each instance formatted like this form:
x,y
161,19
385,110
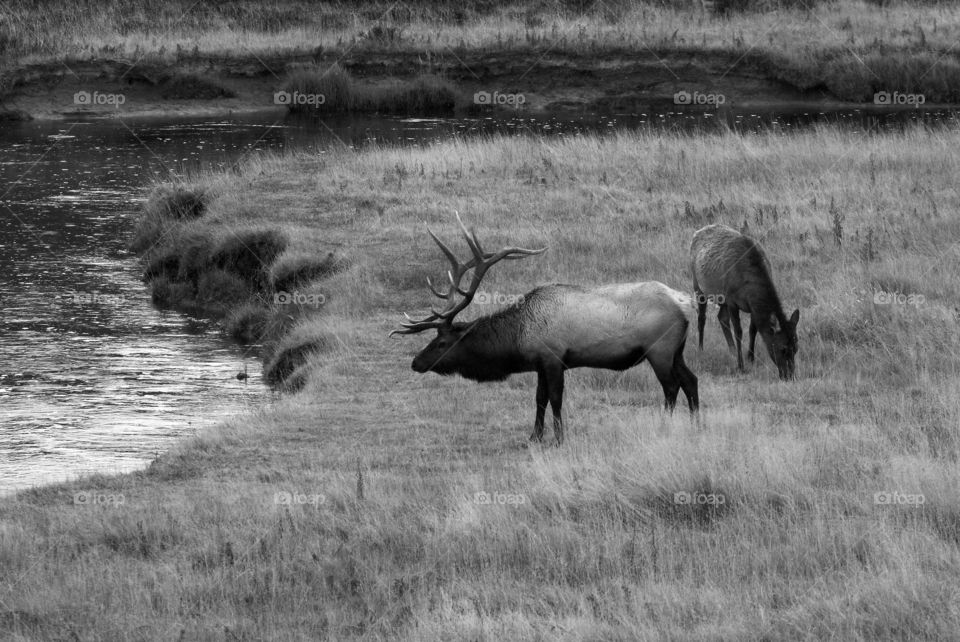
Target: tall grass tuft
x,y
165,207
935,76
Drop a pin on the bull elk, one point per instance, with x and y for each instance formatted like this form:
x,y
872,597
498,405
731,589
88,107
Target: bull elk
x,y
734,269
554,328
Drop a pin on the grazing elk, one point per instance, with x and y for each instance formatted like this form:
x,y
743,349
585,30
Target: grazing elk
x,y
733,268
554,328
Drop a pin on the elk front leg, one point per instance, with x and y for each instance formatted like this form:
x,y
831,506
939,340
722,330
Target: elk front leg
x,y
537,434
555,392
723,316
701,317
737,334
701,313
753,339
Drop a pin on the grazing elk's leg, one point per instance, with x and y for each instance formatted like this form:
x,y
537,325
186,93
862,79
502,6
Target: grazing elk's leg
x,y
555,392
666,377
537,434
688,380
701,316
753,338
723,316
737,334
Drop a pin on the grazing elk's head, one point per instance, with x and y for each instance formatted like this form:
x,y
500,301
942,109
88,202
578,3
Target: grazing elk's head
x,y
448,352
782,344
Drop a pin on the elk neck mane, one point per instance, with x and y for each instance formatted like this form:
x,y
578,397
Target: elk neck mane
x,y
495,340
758,282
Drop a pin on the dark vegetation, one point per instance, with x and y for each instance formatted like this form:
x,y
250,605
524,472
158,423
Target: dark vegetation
x,y
233,275
191,86
339,92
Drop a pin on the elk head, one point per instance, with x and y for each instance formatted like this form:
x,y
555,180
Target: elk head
x,y
781,342
447,353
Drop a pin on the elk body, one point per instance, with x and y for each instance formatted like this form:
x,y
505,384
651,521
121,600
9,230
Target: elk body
x,y
734,269
557,327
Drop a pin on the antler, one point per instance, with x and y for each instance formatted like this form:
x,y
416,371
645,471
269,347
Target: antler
x,y
480,263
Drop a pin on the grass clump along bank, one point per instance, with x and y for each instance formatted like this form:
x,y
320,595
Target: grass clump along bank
x,y
380,503
332,90
242,274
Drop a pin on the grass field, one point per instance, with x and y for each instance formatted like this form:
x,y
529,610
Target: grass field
x,y
350,510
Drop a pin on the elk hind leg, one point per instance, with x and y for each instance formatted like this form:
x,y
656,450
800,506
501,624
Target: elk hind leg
x,y
537,434
688,380
668,380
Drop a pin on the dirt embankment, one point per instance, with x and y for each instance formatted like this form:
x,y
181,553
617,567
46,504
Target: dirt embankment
x,y
609,81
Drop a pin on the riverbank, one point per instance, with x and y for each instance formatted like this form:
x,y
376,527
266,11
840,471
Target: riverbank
x,y
357,507
623,58
625,81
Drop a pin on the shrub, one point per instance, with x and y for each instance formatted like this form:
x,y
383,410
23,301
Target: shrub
x,y
292,352
936,77
254,323
164,264
166,205
291,270
426,94
221,289
334,84
167,293
249,253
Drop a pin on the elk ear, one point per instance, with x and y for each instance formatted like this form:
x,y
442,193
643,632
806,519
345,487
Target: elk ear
x,y
774,323
794,318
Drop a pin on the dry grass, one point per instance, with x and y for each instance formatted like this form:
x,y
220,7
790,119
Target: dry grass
x,y
387,540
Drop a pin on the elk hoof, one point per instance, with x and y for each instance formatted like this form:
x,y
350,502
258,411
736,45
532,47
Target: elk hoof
x,y
536,436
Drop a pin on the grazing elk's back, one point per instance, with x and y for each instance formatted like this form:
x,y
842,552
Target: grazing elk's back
x,y
727,262
610,326
734,269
